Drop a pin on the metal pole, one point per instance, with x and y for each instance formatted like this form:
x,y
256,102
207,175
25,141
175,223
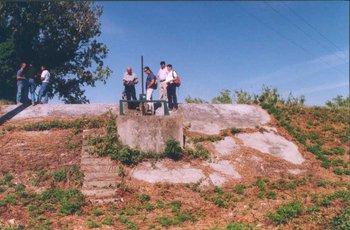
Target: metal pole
x,y
142,74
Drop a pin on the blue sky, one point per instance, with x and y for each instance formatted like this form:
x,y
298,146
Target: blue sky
x,y
298,47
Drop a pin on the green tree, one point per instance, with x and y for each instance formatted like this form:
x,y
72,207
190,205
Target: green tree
x,y
223,98
339,101
62,36
195,100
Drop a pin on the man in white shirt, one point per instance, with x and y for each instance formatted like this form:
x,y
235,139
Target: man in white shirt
x,y
171,88
162,74
130,80
45,79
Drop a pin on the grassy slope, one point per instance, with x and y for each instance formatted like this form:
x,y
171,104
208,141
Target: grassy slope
x,y
311,200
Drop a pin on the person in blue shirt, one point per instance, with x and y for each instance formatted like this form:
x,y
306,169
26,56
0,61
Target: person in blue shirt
x,y
22,83
151,85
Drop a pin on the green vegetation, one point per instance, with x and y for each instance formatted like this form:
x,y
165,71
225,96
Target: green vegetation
x,y
199,152
339,101
195,100
173,150
286,212
223,98
69,174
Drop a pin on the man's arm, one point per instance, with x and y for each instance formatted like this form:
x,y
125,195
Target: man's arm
x,y
136,80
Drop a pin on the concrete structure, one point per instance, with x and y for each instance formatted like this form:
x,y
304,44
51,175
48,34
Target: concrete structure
x,y
149,133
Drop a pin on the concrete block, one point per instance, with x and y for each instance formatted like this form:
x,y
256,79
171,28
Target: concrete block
x,y
149,133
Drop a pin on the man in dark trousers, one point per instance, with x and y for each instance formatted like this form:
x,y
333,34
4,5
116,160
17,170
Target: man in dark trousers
x,y
32,82
130,80
22,83
171,88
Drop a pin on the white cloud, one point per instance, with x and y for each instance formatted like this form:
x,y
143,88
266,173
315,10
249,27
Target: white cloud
x,y
319,88
304,69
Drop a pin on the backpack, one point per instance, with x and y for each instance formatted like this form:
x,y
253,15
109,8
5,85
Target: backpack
x,y
177,79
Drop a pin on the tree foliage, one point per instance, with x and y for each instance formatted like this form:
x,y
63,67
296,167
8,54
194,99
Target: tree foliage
x,y
223,98
195,100
62,36
339,101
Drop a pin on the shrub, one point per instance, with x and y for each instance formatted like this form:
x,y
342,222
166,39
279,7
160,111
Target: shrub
x,y
239,189
199,152
238,226
173,150
144,197
286,212
342,220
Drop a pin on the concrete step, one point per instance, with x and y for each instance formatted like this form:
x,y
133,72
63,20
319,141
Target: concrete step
x,y
99,193
106,200
99,168
100,184
100,176
97,161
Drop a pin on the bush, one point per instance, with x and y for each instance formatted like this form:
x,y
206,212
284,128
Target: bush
x,y
199,152
286,212
342,220
173,150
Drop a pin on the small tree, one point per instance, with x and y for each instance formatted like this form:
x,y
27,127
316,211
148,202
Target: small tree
x,y
195,100
224,97
339,101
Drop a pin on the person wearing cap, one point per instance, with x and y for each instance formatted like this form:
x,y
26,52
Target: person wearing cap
x,y
151,82
171,88
130,80
162,74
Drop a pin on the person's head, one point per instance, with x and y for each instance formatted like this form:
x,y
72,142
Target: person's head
x,y
147,70
43,67
129,70
162,64
23,65
169,67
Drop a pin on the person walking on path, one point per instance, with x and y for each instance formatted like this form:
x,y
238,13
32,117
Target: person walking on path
x,y
130,80
171,88
45,80
162,74
21,85
151,82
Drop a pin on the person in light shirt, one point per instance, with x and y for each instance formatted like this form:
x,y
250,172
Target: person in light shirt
x,y
130,80
171,88
45,80
162,74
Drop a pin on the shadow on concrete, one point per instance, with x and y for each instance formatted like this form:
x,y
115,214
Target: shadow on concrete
x,y
13,113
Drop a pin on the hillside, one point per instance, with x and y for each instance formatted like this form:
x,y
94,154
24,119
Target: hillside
x,y
242,167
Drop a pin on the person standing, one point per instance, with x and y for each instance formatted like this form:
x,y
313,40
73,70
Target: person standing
x,y
21,85
31,82
130,80
171,88
162,74
45,79
151,82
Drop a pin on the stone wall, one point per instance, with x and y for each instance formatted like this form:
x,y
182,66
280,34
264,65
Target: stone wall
x,y
149,133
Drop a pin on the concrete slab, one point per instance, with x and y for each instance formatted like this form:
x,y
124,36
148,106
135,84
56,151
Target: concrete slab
x,y
161,173
211,118
225,168
61,110
226,146
149,133
217,179
273,144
